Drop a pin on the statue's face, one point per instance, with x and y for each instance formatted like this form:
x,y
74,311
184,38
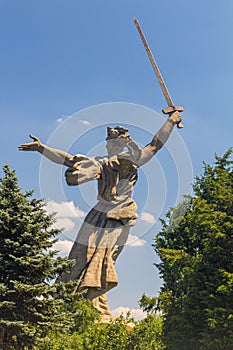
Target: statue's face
x,y
117,139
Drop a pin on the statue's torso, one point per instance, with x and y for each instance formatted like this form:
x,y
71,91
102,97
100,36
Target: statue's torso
x,y
116,178
115,185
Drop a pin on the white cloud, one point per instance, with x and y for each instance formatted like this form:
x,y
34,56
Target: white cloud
x,y
63,246
65,224
134,241
137,314
64,209
85,122
147,217
67,215
62,118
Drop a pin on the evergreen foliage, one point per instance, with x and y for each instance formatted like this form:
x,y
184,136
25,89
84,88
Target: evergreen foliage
x,y
111,336
28,309
195,247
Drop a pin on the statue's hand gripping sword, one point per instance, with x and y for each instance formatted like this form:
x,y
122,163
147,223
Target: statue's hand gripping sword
x,y
171,107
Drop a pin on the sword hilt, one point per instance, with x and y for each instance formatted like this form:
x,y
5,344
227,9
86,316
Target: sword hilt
x,y
172,109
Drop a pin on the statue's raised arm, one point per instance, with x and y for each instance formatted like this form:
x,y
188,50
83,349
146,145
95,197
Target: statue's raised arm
x,y
160,138
53,154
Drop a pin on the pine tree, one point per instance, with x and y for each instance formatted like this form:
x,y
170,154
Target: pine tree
x,y
195,247
28,265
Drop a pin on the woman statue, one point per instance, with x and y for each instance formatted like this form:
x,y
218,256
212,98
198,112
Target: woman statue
x,y
105,229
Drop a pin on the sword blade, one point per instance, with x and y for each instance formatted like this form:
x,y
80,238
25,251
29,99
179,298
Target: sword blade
x,y
154,65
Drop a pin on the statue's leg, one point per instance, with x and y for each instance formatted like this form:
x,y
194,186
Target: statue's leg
x,y
100,302
111,241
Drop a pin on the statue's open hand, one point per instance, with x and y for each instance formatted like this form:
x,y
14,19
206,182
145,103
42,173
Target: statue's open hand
x,y
36,145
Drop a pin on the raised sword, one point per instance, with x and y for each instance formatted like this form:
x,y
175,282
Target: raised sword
x,y
171,107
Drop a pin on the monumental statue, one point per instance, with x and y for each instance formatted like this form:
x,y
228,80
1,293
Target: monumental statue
x,y
105,229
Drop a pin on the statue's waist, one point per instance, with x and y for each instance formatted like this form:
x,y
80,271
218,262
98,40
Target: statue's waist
x,y
118,209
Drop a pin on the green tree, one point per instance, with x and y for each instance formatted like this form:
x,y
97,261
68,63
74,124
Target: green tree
x,y
111,336
28,309
195,247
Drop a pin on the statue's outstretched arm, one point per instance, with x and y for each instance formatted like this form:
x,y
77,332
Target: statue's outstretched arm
x,y
55,155
160,138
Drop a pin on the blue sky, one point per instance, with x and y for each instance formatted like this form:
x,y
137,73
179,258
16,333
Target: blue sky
x,y
61,57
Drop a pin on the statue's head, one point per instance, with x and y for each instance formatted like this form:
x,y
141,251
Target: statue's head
x,y
117,139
